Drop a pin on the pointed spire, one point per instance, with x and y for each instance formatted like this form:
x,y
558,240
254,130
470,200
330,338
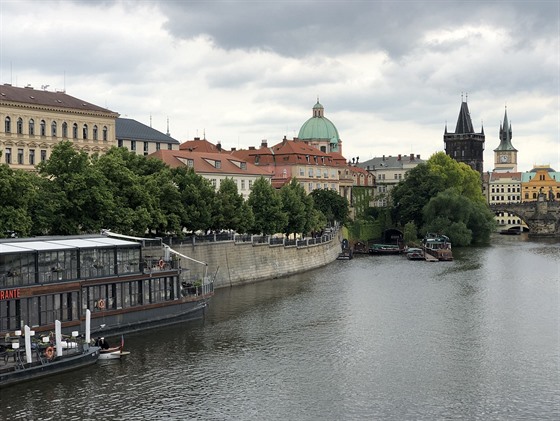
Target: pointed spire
x,y
464,122
505,135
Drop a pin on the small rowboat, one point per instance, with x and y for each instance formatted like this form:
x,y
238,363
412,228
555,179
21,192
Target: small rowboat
x,y
114,353
111,353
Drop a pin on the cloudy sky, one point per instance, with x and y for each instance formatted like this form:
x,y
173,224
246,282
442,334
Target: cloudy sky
x,y
390,74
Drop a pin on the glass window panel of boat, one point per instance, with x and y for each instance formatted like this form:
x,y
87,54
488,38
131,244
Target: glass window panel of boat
x,y
128,260
46,309
146,299
10,315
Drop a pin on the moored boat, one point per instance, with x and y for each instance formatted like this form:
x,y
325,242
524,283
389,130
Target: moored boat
x,y
437,246
128,284
26,358
107,352
385,249
414,253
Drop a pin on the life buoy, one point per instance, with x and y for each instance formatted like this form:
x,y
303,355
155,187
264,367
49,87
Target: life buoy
x,y
161,264
49,352
101,304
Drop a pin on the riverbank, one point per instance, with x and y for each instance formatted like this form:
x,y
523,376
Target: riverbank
x,y
238,263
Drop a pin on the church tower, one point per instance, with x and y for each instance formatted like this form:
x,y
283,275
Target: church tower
x,y
465,145
505,155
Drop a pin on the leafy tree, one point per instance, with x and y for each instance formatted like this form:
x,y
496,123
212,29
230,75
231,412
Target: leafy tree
x,y
77,191
410,233
331,204
232,212
198,198
454,195
17,194
266,204
294,207
133,207
460,218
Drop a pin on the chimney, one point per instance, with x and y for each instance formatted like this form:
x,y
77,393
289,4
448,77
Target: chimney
x,y
197,138
383,157
418,156
264,143
233,149
251,148
399,157
412,157
219,147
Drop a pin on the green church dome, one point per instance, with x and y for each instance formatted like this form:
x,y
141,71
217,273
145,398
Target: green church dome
x,y
319,127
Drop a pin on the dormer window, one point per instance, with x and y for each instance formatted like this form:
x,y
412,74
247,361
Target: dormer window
x,y
243,165
218,164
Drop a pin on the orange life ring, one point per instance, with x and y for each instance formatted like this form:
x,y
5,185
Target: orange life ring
x,y
49,352
161,264
101,304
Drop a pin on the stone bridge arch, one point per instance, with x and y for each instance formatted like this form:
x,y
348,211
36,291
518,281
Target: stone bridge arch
x,y
542,216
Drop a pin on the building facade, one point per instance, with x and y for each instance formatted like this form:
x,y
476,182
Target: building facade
x,y
464,145
142,139
388,171
542,182
34,121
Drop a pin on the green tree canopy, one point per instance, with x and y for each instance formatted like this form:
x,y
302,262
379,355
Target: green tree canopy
x,y
446,196
18,191
266,204
331,204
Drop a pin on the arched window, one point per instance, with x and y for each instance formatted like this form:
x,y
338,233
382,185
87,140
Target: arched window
x,y
94,132
53,129
8,125
19,127
105,133
85,132
75,131
31,127
65,130
43,128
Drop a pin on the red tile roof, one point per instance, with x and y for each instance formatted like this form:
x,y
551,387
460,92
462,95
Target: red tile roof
x,y
205,162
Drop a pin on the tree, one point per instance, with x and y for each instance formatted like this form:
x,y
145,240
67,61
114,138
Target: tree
x,y
294,207
17,194
231,212
444,195
463,220
331,204
198,198
266,204
77,192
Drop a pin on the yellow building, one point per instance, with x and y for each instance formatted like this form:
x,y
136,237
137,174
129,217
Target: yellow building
x,y
541,180
36,120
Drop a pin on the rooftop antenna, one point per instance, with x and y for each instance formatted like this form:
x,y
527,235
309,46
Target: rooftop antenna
x,y
150,119
168,134
64,90
461,96
466,97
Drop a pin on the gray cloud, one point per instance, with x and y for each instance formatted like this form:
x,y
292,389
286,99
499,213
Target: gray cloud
x,y
299,28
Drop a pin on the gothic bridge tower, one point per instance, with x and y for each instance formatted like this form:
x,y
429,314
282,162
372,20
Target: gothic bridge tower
x,y
465,145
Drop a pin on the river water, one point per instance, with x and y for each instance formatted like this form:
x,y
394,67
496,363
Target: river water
x,y
376,337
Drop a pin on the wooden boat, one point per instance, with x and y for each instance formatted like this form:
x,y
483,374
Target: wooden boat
x,y
385,249
415,253
437,246
42,358
111,353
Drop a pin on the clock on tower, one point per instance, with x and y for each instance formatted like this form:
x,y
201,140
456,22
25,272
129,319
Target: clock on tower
x,y
504,159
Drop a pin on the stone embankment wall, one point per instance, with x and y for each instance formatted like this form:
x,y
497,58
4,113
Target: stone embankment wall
x,y
241,263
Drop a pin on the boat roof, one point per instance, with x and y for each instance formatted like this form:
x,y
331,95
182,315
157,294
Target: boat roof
x,y
61,243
